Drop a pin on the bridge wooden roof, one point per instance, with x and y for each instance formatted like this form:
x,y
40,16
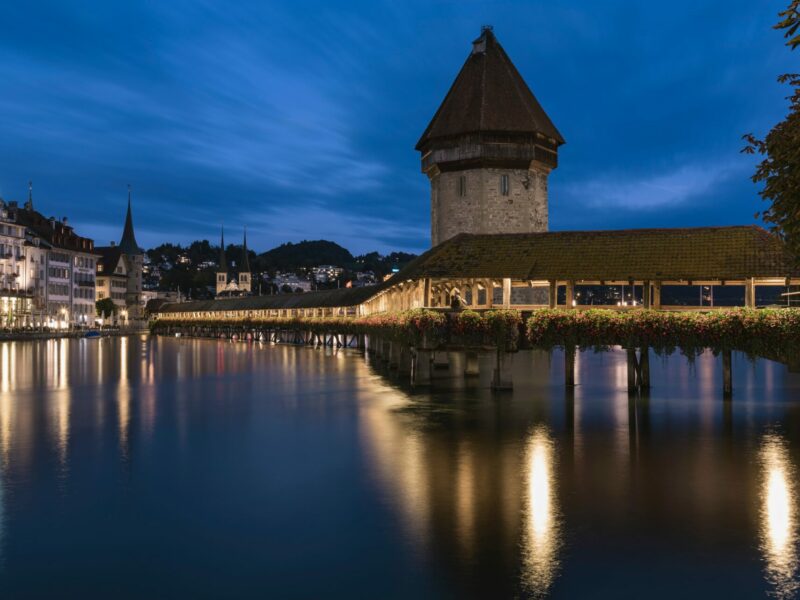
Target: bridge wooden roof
x,y
698,253
320,299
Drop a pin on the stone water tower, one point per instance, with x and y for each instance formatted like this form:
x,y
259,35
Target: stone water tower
x,y
488,150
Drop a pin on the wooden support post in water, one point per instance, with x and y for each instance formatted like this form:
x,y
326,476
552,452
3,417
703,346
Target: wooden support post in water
x,y
631,352
471,364
727,380
644,368
569,366
441,360
421,368
386,351
404,362
394,359
501,379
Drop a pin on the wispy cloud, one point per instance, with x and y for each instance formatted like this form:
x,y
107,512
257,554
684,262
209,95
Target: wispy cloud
x,y
303,115
654,190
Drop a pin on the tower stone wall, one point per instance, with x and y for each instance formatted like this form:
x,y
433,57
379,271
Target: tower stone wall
x,y
472,201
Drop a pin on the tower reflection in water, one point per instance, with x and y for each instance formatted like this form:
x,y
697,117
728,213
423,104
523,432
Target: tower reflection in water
x,y
778,516
541,538
482,503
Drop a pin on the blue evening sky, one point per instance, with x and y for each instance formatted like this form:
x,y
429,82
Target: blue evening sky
x,y
299,118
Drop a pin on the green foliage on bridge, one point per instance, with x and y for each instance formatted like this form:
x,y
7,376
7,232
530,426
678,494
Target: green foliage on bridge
x,y
767,333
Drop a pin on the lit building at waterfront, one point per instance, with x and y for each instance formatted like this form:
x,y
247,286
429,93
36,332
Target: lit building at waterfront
x,y
55,270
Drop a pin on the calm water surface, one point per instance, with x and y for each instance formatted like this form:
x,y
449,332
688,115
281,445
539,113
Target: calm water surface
x,y
162,467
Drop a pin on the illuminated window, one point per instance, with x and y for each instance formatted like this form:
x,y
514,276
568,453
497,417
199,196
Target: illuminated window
x,y
504,185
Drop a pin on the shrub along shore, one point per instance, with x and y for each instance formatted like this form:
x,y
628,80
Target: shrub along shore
x,y
764,332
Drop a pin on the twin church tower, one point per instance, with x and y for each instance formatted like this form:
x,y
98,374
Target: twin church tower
x,y
232,282
488,150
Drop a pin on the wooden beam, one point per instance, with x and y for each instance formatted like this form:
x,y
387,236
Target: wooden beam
x,y
750,293
506,292
553,294
727,380
656,301
570,294
646,300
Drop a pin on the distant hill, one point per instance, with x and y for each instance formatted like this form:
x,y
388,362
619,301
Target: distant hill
x,y
305,254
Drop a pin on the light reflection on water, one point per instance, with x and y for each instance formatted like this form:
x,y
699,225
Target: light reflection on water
x,y
779,516
542,537
511,495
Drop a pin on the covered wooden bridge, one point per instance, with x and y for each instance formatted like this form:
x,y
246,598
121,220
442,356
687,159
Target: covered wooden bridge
x,y
645,269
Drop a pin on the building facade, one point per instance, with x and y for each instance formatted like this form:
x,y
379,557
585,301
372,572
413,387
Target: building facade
x,y
488,150
55,271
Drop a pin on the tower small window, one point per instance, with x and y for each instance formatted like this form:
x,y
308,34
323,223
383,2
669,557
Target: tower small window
x,y
462,186
504,185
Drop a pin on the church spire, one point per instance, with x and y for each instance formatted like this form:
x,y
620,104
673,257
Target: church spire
x,y
128,243
245,268
29,203
222,267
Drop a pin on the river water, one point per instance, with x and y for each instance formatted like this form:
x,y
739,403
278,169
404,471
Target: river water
x,y
163,467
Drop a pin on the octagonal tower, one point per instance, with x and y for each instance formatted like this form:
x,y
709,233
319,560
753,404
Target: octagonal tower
x,y
488,150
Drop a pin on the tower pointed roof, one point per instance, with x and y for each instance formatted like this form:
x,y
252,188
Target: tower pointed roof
x,y
128,243
222,267
489,95
245,268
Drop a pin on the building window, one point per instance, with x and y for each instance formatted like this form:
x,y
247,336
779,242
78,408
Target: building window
x,y
462,186
504,185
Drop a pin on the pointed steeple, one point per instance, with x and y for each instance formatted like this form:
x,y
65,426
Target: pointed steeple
x,y
488,96
128,243
245,265
29,203
222,266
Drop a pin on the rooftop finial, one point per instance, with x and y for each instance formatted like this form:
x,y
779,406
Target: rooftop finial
x,y
479,45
